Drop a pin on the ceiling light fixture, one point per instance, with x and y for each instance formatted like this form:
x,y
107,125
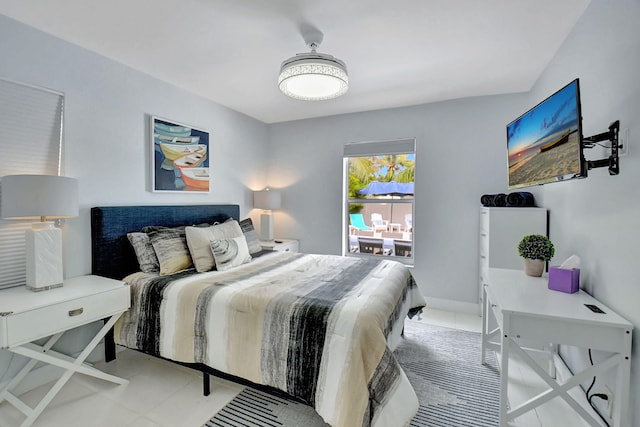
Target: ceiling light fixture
x,y
313,76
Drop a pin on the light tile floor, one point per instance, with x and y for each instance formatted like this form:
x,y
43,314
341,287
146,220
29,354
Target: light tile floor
x,y
162,394
523,382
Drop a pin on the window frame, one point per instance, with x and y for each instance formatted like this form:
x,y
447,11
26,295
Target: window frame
x,y
371,149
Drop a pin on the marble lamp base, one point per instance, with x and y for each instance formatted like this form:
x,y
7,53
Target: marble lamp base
x,y
266,226
44,256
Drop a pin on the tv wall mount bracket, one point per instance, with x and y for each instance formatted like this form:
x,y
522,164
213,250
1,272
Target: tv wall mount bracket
x,y
612,161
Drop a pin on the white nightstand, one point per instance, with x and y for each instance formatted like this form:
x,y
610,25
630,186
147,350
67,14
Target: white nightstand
x,y
26,316
281,245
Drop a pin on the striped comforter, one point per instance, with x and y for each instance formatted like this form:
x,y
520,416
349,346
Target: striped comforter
x,y
319,327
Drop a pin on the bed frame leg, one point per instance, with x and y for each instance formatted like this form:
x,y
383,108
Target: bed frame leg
x,y
206,384
109,346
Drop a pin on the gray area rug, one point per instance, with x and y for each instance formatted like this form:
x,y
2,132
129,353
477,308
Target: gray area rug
x,y
442,364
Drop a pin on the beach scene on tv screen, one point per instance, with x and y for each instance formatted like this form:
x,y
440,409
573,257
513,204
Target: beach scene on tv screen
x,y
544,143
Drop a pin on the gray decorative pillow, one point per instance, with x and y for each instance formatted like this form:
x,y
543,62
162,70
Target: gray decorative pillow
x,y
144,252
230,252
171,249
199,242
253,242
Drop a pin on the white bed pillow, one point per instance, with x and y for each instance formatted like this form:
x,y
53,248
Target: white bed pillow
x,y
199,242
230,252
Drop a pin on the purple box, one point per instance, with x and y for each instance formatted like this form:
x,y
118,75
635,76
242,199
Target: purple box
x,y
564,280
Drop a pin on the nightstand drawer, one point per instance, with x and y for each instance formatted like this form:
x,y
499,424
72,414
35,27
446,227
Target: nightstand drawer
x,y
284,245
40,322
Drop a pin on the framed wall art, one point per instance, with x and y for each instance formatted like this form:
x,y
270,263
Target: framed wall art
x,y
180,157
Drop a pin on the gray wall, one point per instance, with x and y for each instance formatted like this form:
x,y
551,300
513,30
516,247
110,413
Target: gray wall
x,y
599,218
106,130
460,154
107,141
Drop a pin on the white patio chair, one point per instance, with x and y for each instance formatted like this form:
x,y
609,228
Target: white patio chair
x,y
408,222
378,223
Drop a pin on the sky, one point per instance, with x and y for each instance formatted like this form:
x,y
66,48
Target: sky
x,y
556,113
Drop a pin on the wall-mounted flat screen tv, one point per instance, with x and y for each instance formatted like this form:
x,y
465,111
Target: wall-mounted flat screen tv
x,y
545,143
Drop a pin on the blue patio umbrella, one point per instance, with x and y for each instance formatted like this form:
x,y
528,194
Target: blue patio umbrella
x,y
391,188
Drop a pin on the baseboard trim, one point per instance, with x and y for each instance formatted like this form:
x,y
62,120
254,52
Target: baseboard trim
x,y
451,305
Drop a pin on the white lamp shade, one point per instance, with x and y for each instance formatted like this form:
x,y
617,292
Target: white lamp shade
x,y
267,199
37,196
313,81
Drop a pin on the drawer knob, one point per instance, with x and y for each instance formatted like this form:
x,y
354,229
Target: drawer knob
x,y
76,312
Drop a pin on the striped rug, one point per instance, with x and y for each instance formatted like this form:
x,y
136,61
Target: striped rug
x,y
443,365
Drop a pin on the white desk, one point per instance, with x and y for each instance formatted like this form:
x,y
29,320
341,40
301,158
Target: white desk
x,y
26,316
527,311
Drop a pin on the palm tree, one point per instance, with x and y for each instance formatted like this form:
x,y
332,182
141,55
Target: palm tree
x,y
361,168
398,167
360,172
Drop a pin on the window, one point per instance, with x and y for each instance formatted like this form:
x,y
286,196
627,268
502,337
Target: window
x,y
31,123
379,202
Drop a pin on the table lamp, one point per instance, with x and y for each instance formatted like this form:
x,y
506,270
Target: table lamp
x,y
44,197
268,200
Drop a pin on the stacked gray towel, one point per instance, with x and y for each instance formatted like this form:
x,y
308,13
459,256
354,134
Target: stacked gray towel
x,y
515,199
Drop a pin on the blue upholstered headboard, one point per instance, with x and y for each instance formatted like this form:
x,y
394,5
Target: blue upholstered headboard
x,y
111,253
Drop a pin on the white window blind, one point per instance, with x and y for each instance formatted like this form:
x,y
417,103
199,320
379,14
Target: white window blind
x,y
31,143
379,148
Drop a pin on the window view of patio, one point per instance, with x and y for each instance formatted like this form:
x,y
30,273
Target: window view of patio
x,y
381,205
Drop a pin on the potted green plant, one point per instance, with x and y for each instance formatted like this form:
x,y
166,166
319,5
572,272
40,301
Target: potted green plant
x,y
536,249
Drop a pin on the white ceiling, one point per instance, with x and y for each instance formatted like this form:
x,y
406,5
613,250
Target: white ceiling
x,y
398,53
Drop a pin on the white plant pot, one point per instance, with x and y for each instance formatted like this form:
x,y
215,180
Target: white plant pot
x,y
533,267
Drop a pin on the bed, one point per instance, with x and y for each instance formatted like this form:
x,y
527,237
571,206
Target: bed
x,y
319,328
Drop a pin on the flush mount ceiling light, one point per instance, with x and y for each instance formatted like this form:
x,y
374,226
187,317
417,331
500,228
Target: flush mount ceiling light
x,y
313,76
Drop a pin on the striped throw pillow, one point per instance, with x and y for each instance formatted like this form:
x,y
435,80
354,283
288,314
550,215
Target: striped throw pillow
x,y
253,242
170,246
144,252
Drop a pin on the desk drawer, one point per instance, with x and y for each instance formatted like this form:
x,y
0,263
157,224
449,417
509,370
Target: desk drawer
x,y
31,325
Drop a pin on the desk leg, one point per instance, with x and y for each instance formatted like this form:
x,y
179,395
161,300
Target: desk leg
x,y
552,350
504,370
485,325
621,406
